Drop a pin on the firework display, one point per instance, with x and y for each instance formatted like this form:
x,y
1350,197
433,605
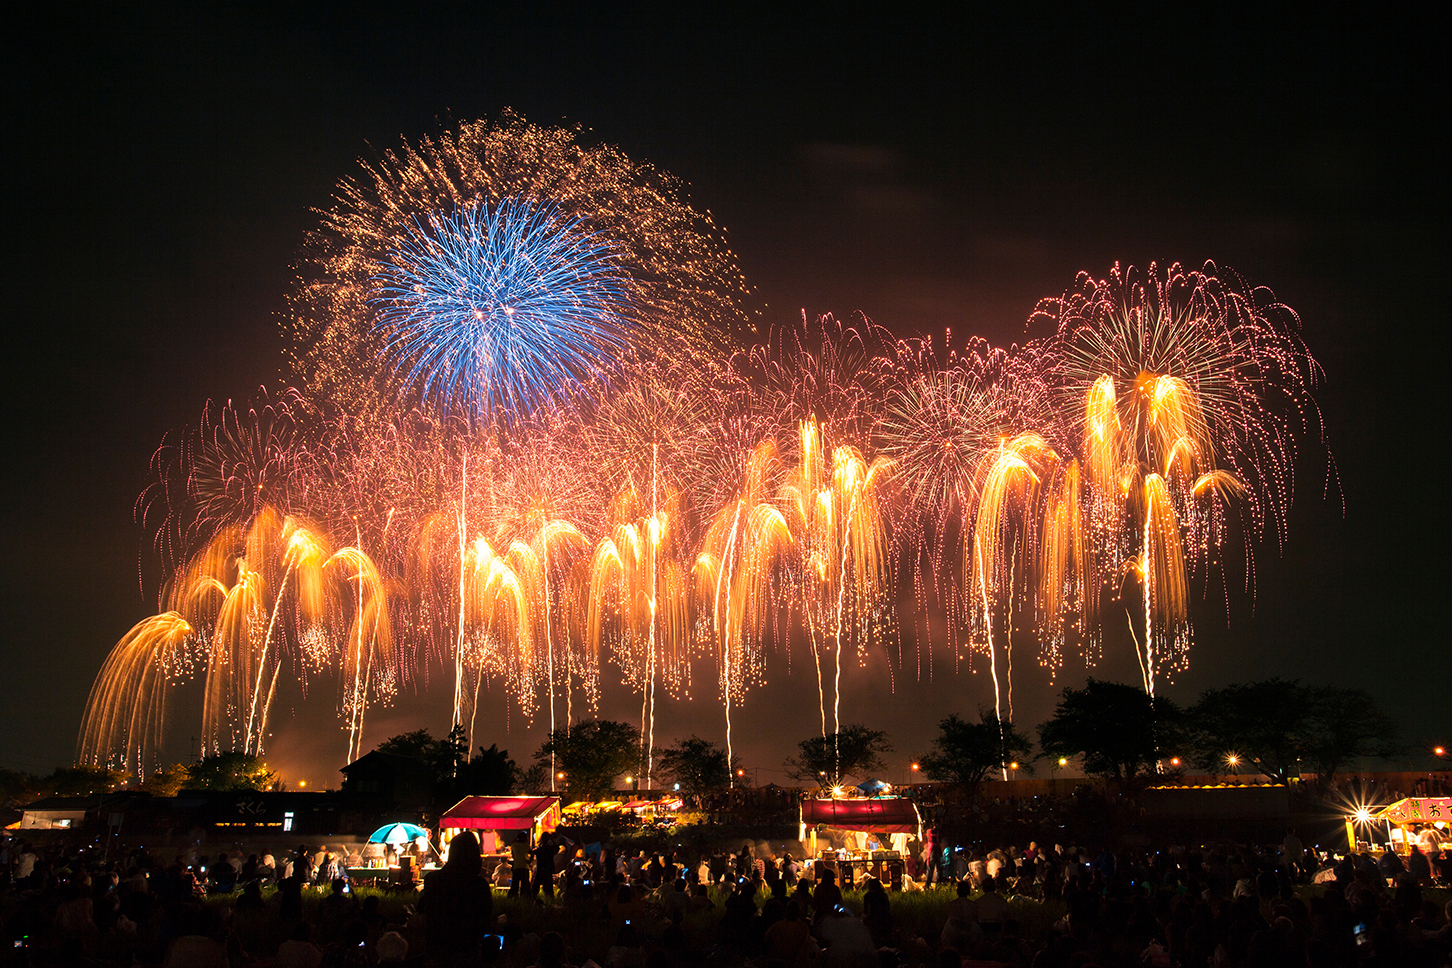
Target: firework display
x,y
524,454
494,310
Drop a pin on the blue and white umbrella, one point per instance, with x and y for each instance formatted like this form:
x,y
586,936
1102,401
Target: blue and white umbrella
x,y
397,833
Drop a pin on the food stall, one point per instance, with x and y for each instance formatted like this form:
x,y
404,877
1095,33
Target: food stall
x,y
647,809
1420,821
894,818
393,853
494,819
580,810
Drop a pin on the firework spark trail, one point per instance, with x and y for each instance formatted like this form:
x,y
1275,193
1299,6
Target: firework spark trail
x,y
463,548
304,554
229,654
832,512
1067,593
499,612
825,377
533,568
125,712
1007,488
864,545
648,431
734,576
363,660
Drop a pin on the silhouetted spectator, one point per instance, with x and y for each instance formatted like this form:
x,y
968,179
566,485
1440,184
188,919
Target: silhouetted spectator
x,y
457,905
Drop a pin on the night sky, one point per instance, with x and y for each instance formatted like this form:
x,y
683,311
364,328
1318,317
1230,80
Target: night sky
x,y
163,168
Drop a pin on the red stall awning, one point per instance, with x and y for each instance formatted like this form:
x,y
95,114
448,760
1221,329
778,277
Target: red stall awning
x,y
893,815
502,813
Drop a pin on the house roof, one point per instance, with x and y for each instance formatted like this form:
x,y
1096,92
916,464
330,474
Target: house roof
x,y
393,761
896,815
91,802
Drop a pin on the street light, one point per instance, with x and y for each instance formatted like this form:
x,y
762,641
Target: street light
x,y
1439,750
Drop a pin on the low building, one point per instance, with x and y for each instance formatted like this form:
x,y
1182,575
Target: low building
x,y
57,813
403,783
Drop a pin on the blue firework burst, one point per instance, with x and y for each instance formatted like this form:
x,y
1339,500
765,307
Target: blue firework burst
x,y
492,310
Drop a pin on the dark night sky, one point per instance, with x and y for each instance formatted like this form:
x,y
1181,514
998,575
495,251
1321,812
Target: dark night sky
x,y
161,169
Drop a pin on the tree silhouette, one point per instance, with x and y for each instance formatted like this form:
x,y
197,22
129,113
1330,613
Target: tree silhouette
x,y
855,751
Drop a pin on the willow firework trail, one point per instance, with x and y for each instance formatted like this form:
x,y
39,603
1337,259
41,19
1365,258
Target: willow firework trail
x,y
494,310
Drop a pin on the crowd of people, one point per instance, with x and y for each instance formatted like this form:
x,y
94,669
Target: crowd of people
x,y
554,904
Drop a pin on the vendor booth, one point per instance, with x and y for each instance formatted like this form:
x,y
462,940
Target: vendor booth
x,y
654,808
497,820
1413,821
393,854
875,837
645,809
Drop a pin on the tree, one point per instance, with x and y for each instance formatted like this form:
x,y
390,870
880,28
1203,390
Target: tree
x,y
855,751
78,781
231,770
698,765
1281,726
168,782
591,754
1345,724
1260,723
439,754
1117,730
965,753
491,773
16,789
536,779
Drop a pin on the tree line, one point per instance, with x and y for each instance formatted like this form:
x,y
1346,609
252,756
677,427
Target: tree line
x,y
1275,727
